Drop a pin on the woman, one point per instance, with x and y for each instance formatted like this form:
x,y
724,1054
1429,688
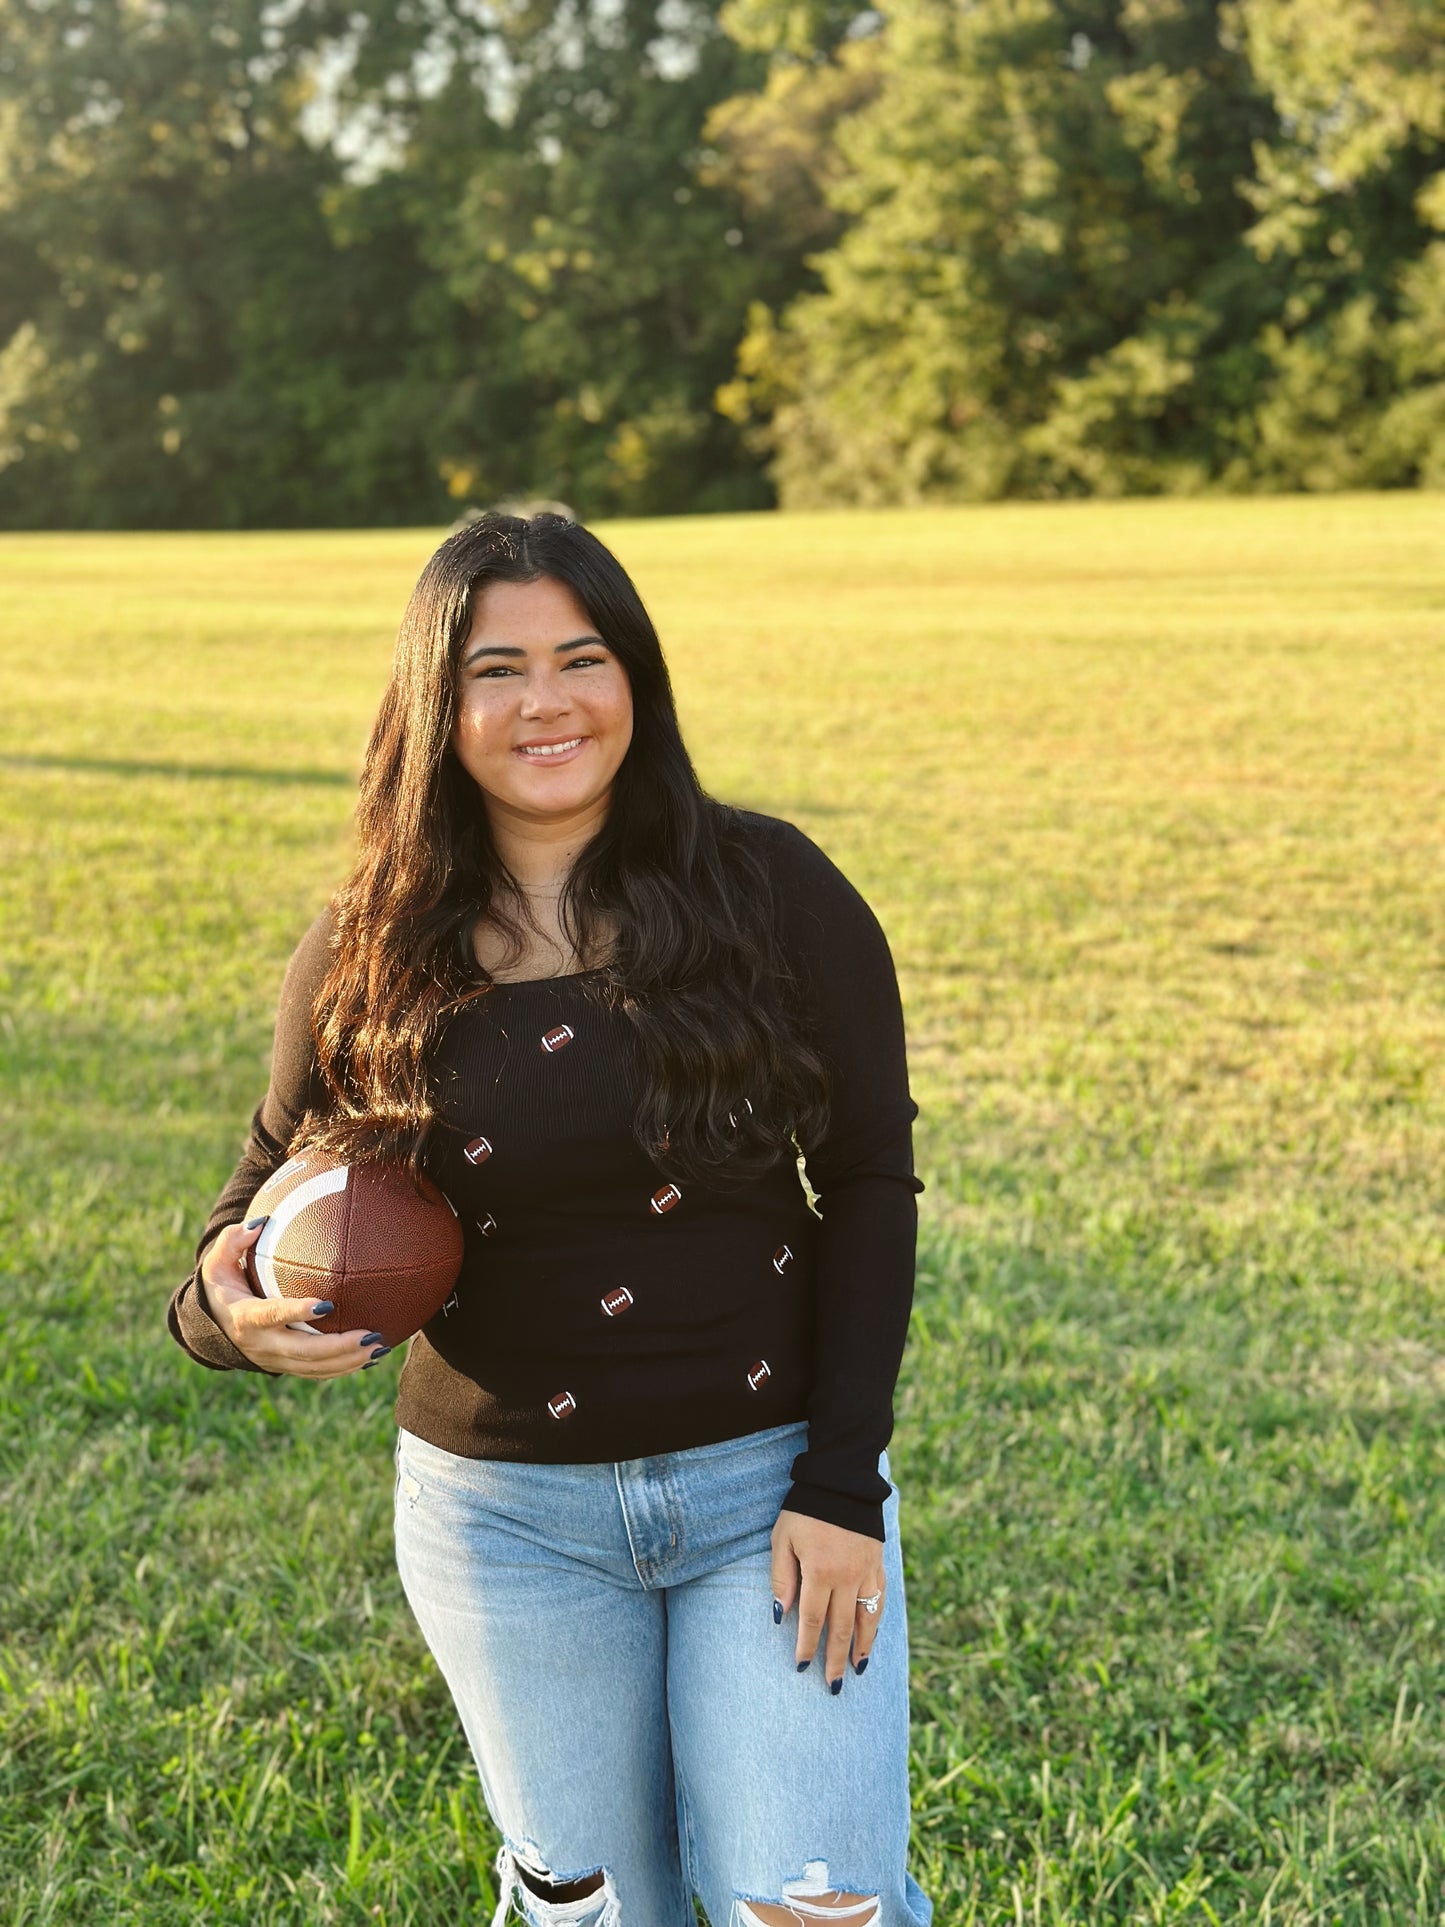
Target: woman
x,y
641,1514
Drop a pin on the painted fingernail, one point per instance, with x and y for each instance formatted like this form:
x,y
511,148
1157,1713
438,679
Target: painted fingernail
x,y
777,1612
255,1224
835,1687
380,1352
860,1666
371,1338
322,1308
804,1664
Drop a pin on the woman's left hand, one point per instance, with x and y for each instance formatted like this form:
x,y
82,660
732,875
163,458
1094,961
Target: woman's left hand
x,y
828,1572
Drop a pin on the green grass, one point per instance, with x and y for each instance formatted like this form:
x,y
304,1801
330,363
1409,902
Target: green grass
x,y
1149,797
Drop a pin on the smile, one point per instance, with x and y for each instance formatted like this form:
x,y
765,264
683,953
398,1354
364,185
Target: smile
x,y
535,752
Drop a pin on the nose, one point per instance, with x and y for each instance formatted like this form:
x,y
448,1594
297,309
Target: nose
x,y
545,696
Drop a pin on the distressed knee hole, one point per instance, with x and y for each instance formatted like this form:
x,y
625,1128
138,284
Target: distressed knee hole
x,y
808,1902
592,1883
586,1900
858,1910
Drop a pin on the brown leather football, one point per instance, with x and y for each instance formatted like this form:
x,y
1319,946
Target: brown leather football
x,y
383,1246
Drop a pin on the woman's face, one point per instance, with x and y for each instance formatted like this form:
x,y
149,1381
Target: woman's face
x,y
544,708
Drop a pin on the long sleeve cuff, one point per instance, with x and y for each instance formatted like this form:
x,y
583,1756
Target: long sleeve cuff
x,y
837,1509
191,1325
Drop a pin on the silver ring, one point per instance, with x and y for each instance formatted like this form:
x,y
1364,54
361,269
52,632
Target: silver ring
x,y
869,1601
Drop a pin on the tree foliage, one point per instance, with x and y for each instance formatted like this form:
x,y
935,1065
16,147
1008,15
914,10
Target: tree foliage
x,y
1122,245
312,263
595,260
505,275
185,336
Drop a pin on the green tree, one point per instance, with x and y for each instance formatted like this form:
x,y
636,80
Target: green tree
x,y
1349,195
319,263
1105,245
584,233
183,335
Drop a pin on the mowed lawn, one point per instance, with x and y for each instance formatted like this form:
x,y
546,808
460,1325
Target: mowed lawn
x,y
1149,798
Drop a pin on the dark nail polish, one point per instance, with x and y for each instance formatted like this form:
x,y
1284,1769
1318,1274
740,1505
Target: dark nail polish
x,y
323,1308
368,1365
804,1664
255,1224
835,1687
380,1352
861,1666
371,1338
777,1612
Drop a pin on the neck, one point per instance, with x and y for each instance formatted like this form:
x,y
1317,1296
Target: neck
x,y
540,851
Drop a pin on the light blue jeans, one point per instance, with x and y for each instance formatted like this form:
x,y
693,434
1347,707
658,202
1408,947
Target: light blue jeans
x,y
607,1634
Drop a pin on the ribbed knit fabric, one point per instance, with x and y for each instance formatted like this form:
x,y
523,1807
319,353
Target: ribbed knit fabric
x,y
744,1308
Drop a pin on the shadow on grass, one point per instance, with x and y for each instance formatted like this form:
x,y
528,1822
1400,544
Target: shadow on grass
x,y
185,772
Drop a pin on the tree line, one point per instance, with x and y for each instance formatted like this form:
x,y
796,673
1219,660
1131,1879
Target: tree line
x,y
291,262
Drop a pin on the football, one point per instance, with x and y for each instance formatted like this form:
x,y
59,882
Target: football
x,y
385,1248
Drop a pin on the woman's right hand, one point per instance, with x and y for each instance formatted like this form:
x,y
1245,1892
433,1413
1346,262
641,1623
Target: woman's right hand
x,y
260,1328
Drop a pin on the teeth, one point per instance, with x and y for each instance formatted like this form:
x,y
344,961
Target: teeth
x,y
550,749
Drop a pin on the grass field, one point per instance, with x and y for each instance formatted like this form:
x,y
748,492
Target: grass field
x,y
1149,797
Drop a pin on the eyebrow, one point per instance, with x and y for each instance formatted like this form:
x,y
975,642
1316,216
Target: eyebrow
x,y
509,649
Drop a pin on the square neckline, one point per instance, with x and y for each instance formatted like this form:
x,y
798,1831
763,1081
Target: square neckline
x,y
531,983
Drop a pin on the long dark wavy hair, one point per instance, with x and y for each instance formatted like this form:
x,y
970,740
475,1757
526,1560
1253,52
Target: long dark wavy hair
x,y
669,901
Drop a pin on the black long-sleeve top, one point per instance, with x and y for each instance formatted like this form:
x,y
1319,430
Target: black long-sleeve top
x,y
748,1307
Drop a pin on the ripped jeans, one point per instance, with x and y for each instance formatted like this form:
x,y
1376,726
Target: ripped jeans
x,y
607,1634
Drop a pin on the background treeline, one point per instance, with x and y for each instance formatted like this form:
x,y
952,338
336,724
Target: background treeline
x,y
304,262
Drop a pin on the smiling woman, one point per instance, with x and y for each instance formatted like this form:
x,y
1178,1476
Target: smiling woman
x,y
544,719
605,1014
